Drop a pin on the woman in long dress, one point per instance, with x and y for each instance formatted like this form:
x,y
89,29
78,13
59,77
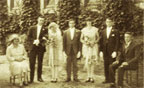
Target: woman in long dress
x,y
18,59
55,49
89,39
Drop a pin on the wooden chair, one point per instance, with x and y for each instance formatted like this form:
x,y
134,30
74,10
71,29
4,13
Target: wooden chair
x,y
13,78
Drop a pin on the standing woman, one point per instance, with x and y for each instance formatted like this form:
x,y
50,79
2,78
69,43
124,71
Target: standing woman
x,y
89,39
55,49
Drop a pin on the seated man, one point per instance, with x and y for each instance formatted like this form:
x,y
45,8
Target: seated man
x,y
126,60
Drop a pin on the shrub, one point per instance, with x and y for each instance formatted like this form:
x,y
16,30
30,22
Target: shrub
x,y
68,9
97,19
126,15
30,12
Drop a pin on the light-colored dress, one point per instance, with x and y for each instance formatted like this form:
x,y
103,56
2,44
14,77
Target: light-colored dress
x,y
13,53
54,47
90,44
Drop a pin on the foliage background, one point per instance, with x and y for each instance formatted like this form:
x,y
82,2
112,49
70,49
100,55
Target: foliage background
x,y
68,9
126,15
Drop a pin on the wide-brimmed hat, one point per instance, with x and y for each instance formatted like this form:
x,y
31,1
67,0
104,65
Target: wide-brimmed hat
x,y
13,37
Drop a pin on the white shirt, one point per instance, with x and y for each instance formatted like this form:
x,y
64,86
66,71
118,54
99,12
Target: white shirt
x,y
72,30
38,30
108,30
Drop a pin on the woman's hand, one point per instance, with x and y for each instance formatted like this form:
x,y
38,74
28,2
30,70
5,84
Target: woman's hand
x,y
19,59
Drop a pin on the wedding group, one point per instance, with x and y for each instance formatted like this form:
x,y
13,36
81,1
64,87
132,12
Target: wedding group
x,y
73,43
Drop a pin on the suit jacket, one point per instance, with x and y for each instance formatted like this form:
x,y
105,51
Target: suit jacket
x,y
129,54
32,35
111,44
74,44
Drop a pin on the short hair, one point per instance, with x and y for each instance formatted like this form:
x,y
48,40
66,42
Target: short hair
x,y
71,20
88,19
129,33
109,18
41,16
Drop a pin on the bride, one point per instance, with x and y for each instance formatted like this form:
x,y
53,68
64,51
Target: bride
x,y
54,47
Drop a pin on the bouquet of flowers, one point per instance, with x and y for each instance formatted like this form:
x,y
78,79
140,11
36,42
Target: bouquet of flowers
x,y
88,41
50,41
53,41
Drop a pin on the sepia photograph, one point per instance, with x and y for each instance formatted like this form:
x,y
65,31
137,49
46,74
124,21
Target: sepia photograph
x,y
71,43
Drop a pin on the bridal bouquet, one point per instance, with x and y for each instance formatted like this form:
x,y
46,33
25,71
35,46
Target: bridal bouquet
x,y
88,41
53,41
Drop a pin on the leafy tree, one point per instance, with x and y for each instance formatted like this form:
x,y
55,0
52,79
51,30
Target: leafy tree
x,y
68,9
97,19
30,13
126,15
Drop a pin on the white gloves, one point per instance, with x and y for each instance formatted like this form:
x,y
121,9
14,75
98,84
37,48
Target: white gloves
x,y
36,42
114,55
101,54
78,54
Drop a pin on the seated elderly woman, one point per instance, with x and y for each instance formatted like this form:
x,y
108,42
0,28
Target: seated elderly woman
x,y
17,57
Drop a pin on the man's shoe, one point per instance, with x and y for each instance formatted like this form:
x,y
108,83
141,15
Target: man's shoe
x,y
76,80
30,82
88,80
105,82
68,80
25,83
92,80
40,80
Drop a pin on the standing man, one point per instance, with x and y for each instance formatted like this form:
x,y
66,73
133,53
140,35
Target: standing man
x,y
72,49
37,48
109,44
126,60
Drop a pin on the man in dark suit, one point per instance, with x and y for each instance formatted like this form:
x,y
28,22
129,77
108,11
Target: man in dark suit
x,y
126,60
37,48
72,49
109,44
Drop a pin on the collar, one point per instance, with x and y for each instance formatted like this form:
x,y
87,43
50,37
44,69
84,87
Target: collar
x,y
39,25
108,28
72,28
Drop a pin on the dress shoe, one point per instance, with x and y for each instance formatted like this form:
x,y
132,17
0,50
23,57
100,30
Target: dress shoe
x,y
76,80
25,83
55,81
105,82
92,80
88,80
30,82
52,81
21,85
40,80
68,80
